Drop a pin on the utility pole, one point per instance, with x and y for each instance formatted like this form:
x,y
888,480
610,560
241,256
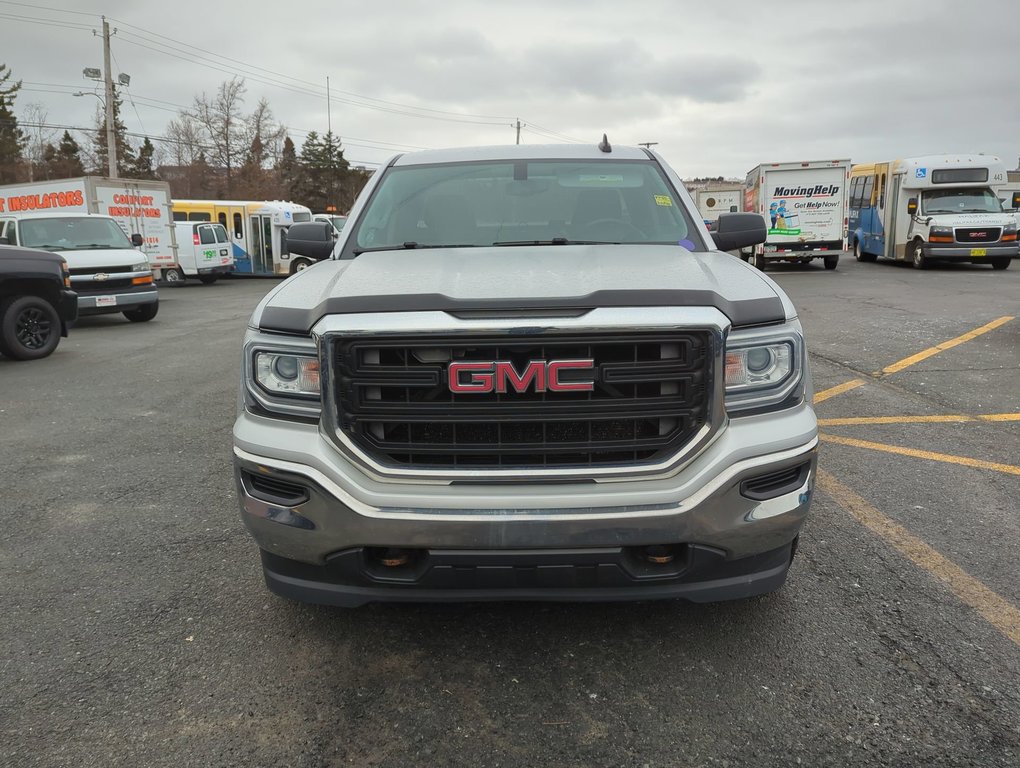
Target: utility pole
x,y
111,139
329,118
518,126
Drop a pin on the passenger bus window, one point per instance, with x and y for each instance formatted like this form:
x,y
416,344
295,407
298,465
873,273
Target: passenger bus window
x,y
199,217
869,187
881,191
180,216
238,232
855,188
222,218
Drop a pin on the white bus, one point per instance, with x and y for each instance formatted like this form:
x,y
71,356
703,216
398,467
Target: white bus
x,y
937,207
257,229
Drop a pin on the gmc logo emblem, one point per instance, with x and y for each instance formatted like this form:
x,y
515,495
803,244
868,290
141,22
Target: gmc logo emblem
x,y
501,376
978,234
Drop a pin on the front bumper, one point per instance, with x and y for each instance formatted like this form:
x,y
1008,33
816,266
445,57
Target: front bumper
x,y
117,300
67,309
331,515
959,252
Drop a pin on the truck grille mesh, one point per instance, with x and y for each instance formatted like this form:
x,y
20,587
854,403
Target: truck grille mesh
x,y
651,396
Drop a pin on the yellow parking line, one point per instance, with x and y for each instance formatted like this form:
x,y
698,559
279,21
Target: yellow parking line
x,y
956,418
839,389
997,610
913,359
945,457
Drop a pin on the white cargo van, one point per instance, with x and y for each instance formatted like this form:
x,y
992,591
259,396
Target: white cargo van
x,y
108,271
203,251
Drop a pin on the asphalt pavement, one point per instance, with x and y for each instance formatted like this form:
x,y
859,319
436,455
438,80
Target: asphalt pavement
x,y
137,630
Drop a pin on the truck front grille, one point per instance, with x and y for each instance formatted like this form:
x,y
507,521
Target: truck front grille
x,y
978,234
650,397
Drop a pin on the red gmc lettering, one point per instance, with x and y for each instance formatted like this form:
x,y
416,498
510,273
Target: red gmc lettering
x,y
501,376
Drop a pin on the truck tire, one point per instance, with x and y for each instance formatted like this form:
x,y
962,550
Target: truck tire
x,y
208,279
999,263
142,314
831,261
758,261
917,257
861,255
29,328
174,276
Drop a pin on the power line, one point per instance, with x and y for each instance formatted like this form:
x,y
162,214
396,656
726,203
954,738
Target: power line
x,y
46,23
34,6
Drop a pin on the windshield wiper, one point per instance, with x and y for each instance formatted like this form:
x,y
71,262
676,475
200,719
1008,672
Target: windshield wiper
x,y
556,241
412,245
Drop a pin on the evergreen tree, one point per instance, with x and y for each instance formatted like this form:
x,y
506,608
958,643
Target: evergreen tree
x,y
324,174
125,153
288,170
141,165
12,139
64,160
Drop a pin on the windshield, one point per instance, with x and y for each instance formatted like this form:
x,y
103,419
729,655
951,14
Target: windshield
x,y
73,233
973,200
523,202
338,222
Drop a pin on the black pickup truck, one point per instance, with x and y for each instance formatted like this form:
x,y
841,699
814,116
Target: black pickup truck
x,y
36,302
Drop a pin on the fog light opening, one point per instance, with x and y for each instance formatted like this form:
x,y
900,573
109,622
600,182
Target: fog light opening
x,y
657,554
394,558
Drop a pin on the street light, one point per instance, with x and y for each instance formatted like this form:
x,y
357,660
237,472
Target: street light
x,y
90,93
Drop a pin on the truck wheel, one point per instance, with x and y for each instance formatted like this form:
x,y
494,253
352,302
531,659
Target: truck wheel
x,y
861,255
208,279
917,255
299,265
173,276
142,314
831,261
29,328
758,260
999,263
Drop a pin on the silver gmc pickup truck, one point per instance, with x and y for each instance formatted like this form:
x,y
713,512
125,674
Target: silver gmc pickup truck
x,y
526,373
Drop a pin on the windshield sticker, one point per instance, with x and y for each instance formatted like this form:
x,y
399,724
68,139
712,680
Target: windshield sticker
x,y
600,179
688,244
664,200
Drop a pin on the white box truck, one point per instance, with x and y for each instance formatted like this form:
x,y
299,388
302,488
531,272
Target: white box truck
x,y
712,202
142,207
806,207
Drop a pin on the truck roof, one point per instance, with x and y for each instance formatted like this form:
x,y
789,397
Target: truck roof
x,y
519,152
37,214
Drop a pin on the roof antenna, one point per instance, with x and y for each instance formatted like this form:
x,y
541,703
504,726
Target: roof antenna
x,y
604,145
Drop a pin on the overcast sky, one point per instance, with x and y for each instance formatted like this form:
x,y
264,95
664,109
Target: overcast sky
x,y
721,85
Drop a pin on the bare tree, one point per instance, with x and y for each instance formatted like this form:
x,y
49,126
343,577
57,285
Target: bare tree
x,y
224,126
34,119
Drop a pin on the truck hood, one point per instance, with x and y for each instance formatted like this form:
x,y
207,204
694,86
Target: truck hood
x,y
971,219
522,278
102,258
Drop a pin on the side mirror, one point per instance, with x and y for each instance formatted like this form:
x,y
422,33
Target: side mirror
x,y
739,230
137,239
912,206
1016,200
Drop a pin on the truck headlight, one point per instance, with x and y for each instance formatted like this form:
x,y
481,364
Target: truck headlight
x,y
142,267
285,374
764,367
281,375
941,235
1009,234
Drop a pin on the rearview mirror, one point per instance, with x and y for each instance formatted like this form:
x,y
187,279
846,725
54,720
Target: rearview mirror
x,y
912,206
739,230
137,239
